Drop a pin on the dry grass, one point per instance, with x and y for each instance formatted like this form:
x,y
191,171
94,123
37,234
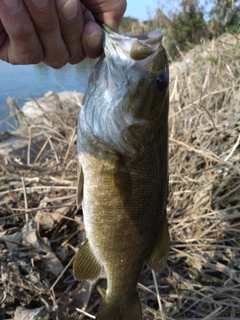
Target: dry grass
x,y
40,226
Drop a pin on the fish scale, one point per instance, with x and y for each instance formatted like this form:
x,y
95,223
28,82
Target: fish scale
x,y
123,169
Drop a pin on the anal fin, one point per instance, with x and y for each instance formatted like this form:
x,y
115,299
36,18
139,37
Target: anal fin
x,y
85,265
159,254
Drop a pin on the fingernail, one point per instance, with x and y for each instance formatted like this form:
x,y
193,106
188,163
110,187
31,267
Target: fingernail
x,y
70,10
94,42
41,4
13,5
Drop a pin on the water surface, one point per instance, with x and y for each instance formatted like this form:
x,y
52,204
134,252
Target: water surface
x,y
19,82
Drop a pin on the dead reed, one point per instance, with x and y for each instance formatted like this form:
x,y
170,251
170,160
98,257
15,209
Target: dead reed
x,y
40,226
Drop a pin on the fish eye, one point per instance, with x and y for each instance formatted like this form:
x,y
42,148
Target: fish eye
x,y
161,82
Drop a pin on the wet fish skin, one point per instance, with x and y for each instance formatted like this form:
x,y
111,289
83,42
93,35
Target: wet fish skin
x,y
123,169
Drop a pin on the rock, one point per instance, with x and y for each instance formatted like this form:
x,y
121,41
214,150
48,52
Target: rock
x,y
36,110
22,313
17,141
33,113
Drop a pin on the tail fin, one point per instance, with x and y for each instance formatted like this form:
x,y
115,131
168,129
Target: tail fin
x,y
120,309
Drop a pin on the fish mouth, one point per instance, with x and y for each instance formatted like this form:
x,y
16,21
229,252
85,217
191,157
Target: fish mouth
x,y
144,50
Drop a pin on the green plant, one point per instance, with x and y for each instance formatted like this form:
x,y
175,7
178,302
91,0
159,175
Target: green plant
x,y
187,27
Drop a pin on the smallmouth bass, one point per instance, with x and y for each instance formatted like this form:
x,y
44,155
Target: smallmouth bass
x,y
123,169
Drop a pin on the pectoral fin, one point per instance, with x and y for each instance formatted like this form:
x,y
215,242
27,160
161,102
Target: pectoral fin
x,y
158,256
79,185
85,265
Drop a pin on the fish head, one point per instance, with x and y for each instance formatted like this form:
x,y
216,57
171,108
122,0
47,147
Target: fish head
x,y
132,91
141,59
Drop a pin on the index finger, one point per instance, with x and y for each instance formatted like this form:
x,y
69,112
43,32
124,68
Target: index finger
x,y
19,43
45,18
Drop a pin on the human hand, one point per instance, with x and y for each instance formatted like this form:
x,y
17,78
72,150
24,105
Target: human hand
x,y
55,31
